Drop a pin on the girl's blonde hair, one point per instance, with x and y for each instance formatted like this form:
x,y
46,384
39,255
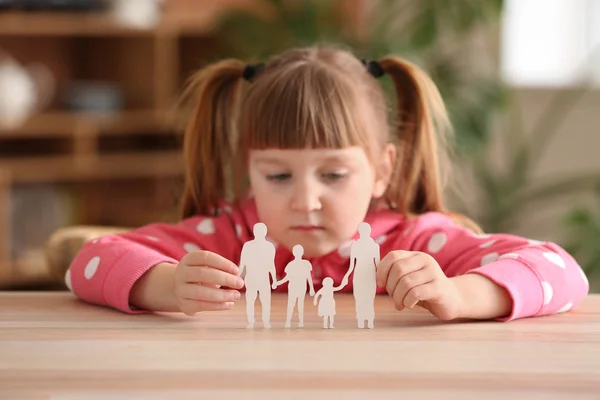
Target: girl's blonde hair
x,y
316,97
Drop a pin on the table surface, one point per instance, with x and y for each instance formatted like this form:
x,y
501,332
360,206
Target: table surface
x,y
55,346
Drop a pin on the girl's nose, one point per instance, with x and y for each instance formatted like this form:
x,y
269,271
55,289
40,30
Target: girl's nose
x,y
305,197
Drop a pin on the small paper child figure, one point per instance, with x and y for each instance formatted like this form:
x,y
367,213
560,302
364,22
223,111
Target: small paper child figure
x,y
327,304
364,259
258,259
298,274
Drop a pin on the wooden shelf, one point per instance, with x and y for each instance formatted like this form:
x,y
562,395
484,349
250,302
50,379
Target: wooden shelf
x,y
66,123
65,24
113,166
136,149
17,23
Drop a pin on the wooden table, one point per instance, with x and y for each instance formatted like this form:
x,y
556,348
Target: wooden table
x,y
55,346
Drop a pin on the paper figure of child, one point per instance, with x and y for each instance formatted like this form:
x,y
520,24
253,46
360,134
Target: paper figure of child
x,y
327,304
298,274
258,260
364,258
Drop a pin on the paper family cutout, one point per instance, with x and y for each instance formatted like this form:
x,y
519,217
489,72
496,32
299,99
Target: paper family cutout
x,y
257,260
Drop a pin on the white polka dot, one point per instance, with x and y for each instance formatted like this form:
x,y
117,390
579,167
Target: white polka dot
x,y
436,242
190,247
238,231
206,227
548,292
483,235
94,241
487,244
381,239
489,258
344,250
555,259
68,280
509,255
91,267
533,242
153,238
227,209
565,308
584,276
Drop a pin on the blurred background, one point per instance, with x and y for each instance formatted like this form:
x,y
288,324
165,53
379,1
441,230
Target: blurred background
x,y
87,136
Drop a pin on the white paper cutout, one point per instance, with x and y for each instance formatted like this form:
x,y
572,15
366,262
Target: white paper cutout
x,y
327,304
297,274
258,260
364,259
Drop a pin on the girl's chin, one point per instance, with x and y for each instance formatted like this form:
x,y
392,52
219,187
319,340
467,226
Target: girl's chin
x,y
312,250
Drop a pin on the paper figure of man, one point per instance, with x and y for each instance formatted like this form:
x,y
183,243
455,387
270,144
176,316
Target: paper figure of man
x,y
364,258
258,260
298,274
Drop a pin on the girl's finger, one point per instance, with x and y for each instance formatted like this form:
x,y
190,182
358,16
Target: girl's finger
x,y
424,292
191,307
206,258
407,282
387,263
399,272
212,277
414,279
400,267
194,291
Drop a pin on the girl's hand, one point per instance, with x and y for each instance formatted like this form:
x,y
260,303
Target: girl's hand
x,y
413,278
201,282
274,285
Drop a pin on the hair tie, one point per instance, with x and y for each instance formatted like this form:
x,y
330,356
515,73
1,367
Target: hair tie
x,y
374,68
251,70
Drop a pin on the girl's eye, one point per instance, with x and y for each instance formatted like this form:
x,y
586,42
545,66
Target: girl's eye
x,y
334,176
278,177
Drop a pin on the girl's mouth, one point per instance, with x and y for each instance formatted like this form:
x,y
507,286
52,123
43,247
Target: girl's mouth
x,y
307,228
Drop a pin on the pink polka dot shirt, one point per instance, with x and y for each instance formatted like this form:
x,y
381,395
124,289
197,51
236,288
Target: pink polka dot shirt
x,y
541,277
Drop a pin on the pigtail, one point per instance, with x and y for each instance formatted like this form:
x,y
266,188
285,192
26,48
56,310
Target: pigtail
x,y
416,185
208,139
422,127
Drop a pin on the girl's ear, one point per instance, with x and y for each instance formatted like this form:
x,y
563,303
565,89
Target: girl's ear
x,y
383,170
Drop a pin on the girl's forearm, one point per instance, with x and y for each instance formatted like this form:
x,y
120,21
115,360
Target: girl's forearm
x,y
482,298
155,289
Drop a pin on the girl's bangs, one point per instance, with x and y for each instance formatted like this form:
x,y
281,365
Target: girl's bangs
x,y
303,108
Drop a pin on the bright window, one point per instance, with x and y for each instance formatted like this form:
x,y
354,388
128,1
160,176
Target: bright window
x,y
551,43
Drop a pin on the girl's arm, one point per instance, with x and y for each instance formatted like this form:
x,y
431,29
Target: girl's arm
x,y
500,276
154,290
106,270
482,298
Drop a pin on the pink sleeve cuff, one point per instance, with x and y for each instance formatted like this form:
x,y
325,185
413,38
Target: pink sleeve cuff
x,y
132,265
522,283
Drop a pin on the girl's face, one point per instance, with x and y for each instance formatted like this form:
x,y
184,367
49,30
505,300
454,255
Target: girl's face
x,y
315,197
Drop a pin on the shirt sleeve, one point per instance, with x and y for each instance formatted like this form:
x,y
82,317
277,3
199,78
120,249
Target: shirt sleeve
x,y
105,269
541,277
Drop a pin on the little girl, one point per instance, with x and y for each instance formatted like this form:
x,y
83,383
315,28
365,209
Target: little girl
x,y
310,133
327,304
